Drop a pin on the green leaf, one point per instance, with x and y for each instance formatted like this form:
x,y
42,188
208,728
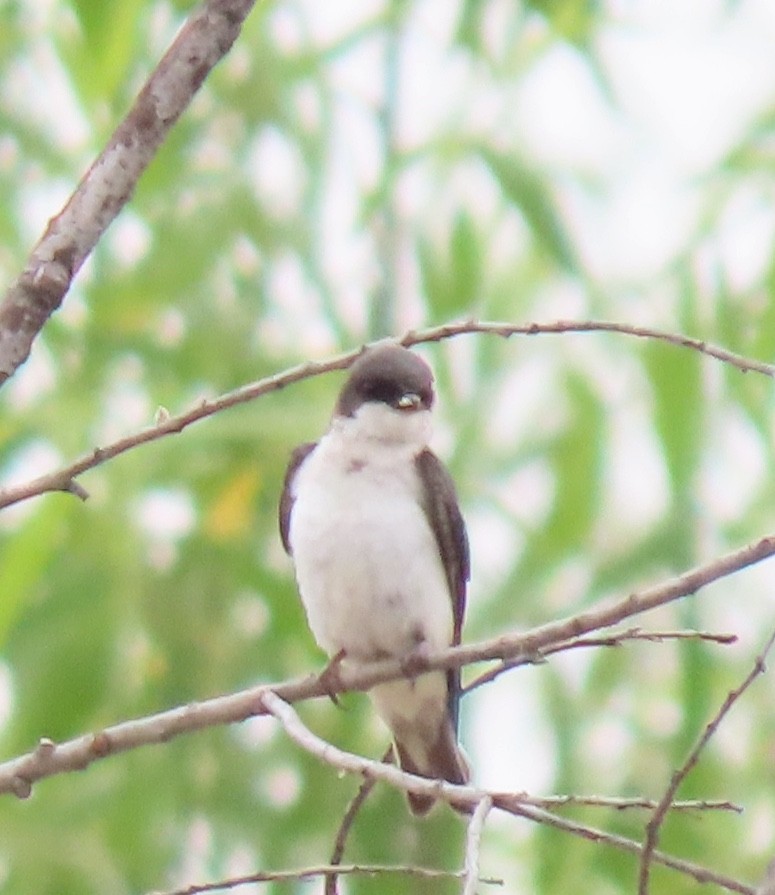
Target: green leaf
x,y
451,279
25,554
528,191
676,383
573,20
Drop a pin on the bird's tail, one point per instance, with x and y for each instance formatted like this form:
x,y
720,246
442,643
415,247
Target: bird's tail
x,y
418,714
442,760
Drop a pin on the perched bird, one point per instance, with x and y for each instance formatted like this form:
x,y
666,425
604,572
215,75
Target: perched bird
x,y
370,517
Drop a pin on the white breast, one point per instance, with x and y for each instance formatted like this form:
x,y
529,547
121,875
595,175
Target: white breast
x,y
367,563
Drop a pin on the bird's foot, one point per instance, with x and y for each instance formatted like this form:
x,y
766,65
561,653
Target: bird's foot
x,y
330,678
416,661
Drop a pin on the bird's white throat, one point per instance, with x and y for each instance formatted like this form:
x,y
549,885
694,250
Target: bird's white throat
x,y
374,422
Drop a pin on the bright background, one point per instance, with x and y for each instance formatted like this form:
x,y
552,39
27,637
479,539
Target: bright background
x,y
351,170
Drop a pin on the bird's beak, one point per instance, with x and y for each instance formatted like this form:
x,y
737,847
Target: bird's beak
x,y
410,401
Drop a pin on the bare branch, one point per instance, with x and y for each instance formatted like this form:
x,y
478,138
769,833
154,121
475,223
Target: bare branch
x,y
18,775
551,803
474,844
326,870
62,479
506,330
653,826
364,790
618,638
108,184
473,797
621,843
356,764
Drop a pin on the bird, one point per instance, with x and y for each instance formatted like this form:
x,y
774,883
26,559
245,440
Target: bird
x,y
370,517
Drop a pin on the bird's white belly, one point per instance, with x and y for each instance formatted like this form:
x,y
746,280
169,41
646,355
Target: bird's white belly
x,y
367,563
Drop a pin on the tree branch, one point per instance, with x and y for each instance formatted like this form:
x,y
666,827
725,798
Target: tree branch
x,y
356,803
63,478
617,639
473,797
18,775
108,185
621,843
474,845
506,330
618,803
305,874
653,826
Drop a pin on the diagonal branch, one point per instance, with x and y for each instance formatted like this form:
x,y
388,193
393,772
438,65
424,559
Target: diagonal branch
x,y
473,797
621,843
108,185
653,826
63,479
48,758
345,825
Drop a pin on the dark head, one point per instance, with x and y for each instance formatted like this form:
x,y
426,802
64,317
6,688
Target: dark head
x,y
387,374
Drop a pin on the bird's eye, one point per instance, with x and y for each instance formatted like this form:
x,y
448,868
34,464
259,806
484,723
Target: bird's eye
x,y
409,401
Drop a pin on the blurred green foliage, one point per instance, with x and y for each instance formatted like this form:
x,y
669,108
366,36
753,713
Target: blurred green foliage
x,y
588,465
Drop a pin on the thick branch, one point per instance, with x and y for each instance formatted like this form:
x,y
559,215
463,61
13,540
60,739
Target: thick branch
x,y
64,479
108,184
18,774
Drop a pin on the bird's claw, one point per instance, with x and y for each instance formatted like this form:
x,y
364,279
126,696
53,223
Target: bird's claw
x,y
416,661
330,678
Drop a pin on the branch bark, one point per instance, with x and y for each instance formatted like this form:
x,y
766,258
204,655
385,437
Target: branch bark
x,y
19,774
474,845
108,184
658,817
64,479
305,874
476,798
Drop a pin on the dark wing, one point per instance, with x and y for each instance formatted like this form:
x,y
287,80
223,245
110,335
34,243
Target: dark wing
x,y
298,456
439,501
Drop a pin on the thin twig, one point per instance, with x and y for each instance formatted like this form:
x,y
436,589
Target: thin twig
x,y
621,843
472,796
325,870
506,330
19,774
620,803
618,638
474,845
108,184
367,785
61,479
653,826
